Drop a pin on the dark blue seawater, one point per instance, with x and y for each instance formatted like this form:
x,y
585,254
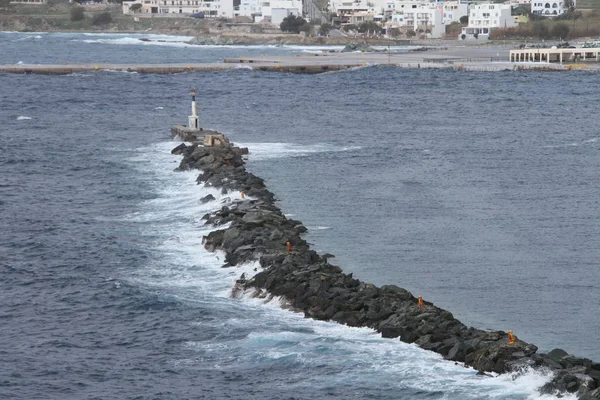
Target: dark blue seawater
x,y
478,191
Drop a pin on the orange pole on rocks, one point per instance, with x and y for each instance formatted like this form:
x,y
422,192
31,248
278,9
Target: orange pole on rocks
x,y
243,195
511,338
289,246
421,301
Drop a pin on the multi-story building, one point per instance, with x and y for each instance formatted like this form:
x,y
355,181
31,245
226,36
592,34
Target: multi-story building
x,y
419,17
344,8
274,11
549,8
484,17
209,8
453,11
250,8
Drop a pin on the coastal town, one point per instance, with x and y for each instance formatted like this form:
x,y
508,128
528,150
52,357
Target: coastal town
x,y
466,20
391,18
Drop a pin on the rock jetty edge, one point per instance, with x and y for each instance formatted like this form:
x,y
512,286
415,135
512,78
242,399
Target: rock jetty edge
x,y
255,229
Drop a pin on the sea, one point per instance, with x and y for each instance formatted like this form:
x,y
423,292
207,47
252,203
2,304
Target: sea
x,y
477,190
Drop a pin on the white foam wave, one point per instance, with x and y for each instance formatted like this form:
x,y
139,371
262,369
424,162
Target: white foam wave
x,y
262,151
119,71
23,118
147,40
150,36
181,267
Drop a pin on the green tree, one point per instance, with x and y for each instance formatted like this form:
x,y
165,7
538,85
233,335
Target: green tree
x,y
369,26
135,7
523,9
570,6
411,33
293,24
77,13
464,20
102,19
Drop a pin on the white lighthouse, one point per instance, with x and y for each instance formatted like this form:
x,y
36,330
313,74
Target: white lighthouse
x,y
193,120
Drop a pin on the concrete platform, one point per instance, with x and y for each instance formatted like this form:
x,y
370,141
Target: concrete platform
x,y
459,58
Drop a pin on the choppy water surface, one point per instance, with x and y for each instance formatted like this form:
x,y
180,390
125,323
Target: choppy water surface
x,y
477,191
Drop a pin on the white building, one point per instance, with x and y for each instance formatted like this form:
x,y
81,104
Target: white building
x,y
548,8
274,11
347,7
250,8
421,18
484,17
279,14
453,11
210,8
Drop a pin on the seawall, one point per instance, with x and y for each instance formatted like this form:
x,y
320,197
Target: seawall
x,y
258,231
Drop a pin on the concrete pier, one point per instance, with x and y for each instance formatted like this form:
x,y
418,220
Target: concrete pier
x,y
457,58
67,69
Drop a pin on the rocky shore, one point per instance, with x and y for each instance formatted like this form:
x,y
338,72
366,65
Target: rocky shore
x,y
257,230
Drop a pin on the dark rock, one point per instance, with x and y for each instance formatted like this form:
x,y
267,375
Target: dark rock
x,y
557,354
179,149
258,230
207,198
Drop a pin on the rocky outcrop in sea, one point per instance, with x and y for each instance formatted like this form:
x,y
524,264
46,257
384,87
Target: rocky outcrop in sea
x,y
309,283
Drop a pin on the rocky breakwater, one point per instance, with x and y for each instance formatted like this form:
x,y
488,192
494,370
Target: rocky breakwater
x,y
258,231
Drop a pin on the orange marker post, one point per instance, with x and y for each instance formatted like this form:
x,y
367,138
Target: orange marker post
x,y
289,246
243,195
511,338
421,301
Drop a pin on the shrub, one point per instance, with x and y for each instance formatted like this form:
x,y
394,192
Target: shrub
x,y
77,14
560,30
350,27
411,33
324,29
394,32
512,33
464,20
135,7
102,19
540,30
293,24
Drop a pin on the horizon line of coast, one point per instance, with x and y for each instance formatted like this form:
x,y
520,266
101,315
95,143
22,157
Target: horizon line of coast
x,y
257,230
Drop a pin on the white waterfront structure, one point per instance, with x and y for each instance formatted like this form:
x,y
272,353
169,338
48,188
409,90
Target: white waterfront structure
x,y
193,120
549,8
210,8
486,16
